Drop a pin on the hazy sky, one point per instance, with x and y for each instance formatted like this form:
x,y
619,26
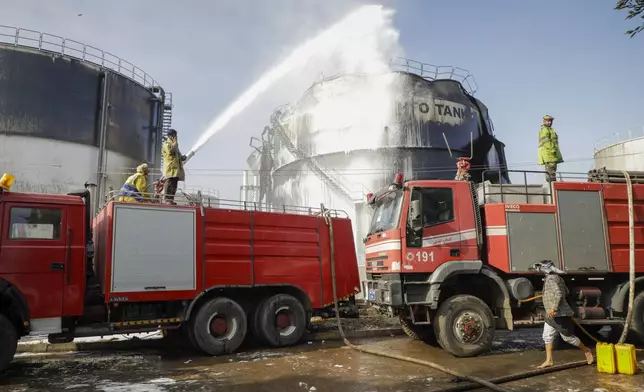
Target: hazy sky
x,y
568,58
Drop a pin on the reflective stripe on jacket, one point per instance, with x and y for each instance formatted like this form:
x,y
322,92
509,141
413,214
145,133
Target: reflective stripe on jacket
x,y
134,188
549,146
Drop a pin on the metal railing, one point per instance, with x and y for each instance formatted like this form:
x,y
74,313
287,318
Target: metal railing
x,y
67,47
435,72
207,201
508,190
283,208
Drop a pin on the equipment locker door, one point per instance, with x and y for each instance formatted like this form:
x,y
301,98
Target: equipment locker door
x,y
33,257
441,238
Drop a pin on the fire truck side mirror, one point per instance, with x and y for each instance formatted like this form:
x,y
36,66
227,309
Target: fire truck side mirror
x,y
415,215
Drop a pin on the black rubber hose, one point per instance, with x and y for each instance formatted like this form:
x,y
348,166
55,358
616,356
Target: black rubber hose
x,y
518,376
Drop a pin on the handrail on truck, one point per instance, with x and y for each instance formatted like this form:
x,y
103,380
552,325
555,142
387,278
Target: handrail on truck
x,y
210,201
527,192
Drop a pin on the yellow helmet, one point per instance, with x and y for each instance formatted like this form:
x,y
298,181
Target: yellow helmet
x,y
142,168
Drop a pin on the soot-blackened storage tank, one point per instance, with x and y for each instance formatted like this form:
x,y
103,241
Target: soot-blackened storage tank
x,y
349,135
72,114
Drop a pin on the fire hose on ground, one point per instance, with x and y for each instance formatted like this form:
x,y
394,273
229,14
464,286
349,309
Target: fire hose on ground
x,y
477,382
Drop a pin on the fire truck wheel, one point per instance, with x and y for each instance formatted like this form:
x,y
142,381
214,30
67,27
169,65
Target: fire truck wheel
x,y
281,320
464,326
8,342
190,333
255,322
637,324
219,326
423,333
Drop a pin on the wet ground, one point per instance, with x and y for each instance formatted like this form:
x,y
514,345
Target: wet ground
x,y
320,366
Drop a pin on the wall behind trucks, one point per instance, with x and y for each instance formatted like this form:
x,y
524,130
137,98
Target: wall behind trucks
x,y
51,122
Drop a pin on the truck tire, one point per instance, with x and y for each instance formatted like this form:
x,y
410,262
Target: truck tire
x,y
8,342
219,326
424,333
464,326
190,334
255,328
637,323
281,320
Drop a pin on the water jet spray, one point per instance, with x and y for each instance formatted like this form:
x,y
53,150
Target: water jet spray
x,y
349,35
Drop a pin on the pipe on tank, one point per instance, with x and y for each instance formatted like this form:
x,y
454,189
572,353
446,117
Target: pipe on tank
x,y
158,130
102,155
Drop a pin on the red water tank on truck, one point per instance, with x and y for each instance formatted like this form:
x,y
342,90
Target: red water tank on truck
x,y
454,260
215,273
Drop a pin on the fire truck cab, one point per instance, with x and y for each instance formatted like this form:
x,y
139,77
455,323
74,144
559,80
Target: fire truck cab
x,y
454,260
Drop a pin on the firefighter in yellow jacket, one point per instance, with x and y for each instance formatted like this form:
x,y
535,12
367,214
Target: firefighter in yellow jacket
x,y
549,154
172,166
135,187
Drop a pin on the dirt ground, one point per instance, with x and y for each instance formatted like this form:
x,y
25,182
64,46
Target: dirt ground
x,y
312,366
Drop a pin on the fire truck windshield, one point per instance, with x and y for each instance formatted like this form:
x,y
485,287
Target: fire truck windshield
x,y
387,212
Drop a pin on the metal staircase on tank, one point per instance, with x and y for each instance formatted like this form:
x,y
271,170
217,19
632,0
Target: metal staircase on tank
x,y
310,161
167,116
166,123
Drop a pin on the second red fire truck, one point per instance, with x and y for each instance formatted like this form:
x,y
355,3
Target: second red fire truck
x,y
455,261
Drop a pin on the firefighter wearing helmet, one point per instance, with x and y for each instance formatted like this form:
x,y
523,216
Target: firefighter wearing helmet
x,y
549,154
134,188
172,166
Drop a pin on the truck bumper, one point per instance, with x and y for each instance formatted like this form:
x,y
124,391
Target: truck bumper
x,y
385,291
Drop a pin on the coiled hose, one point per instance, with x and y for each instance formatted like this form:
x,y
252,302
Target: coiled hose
x,y
478,381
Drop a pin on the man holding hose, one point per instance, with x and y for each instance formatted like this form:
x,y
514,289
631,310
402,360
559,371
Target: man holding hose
x,y
172,166
558,313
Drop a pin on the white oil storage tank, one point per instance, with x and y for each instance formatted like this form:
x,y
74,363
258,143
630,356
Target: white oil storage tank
x,y
625,155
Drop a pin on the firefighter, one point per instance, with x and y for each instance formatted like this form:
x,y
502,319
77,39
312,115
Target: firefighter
x,y
549,154
172,166
135,186
558,313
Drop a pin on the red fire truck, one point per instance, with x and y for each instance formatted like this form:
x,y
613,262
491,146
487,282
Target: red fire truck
x,y
455,260
215,272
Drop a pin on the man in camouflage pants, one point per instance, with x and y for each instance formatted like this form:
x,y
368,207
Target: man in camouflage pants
x,y
558,313
549,153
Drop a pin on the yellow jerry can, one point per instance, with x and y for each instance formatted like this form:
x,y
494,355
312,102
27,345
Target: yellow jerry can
x,y
606,362
626,359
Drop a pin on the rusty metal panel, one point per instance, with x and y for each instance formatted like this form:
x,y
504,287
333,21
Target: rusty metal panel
x,y
532,237
583,237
